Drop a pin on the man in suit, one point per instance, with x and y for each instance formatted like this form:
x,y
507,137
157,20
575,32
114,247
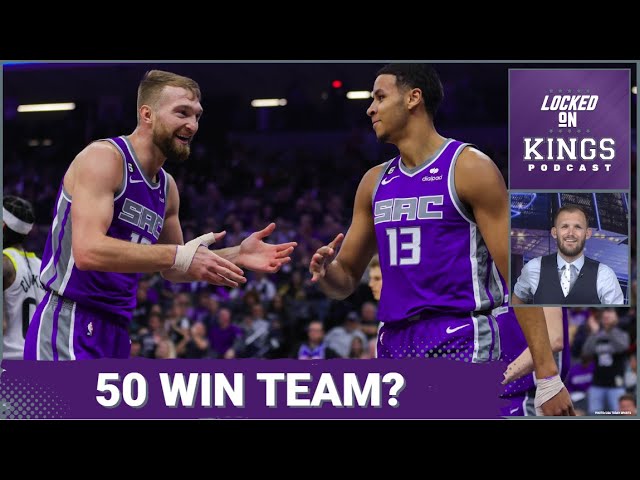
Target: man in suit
x,y
568,277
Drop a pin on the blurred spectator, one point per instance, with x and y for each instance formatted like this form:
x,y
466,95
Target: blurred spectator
x,y
631,374
578,382
263,286
607,344
256,335
136,346
369,319
224,336
627,404
357,348
339,339
165,349
197,343
315,347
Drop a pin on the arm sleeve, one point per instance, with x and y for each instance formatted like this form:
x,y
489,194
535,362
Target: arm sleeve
x,y
527,284
619,340
609,291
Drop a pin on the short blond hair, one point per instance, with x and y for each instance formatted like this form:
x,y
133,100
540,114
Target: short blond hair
x,y
154,81
375,261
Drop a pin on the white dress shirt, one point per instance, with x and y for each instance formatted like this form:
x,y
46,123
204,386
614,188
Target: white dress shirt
x,y
608,287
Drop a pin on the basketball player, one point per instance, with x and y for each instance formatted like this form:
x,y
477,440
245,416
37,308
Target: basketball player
x,y
438,215
114,203
520,385
20,279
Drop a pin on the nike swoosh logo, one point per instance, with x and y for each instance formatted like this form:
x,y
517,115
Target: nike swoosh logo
x,y
131,180
452,330
513,410
388,180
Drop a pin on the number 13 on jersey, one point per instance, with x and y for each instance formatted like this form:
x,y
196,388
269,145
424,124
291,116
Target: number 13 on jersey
x,y
413,245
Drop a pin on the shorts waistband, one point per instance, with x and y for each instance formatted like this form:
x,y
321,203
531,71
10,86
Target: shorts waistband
x,y
424,316
69,304
57,299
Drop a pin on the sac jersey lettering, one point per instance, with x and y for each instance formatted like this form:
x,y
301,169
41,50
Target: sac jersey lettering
x,y
432,255
20,300
138,216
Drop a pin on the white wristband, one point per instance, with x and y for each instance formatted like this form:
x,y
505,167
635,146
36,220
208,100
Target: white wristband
x,y
546,390
185,253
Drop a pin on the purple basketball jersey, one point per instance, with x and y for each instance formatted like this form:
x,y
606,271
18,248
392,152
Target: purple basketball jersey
x,y
432,255
138,216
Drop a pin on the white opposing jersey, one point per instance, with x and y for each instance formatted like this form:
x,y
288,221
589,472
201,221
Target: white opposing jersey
x,y
20,300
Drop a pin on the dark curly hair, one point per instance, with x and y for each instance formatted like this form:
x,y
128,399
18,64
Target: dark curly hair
x,y
418,75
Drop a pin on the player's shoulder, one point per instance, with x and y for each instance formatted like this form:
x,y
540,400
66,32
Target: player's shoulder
x,y
476,173
471,156
100,148
100,157
376,170
371,176
9,266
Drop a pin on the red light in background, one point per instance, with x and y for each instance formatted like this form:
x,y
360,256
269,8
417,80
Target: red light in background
x,y
336,84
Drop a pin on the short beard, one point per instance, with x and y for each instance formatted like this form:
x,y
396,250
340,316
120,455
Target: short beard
x,y
571,253
169,148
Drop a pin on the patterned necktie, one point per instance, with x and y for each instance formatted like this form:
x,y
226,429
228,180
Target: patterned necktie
x,y
574,276
565,279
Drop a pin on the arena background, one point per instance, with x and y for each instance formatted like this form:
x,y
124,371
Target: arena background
x,y
298,164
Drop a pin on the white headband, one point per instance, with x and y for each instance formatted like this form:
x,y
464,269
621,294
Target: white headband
x,y
14,223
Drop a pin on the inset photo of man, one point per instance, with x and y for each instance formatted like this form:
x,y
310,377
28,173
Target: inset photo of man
x,y
570,248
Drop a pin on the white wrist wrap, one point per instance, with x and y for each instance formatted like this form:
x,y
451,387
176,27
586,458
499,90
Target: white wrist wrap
x,y
185,253
546,390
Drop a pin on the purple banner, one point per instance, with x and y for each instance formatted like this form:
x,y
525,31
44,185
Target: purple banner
x,y
251,389
569,129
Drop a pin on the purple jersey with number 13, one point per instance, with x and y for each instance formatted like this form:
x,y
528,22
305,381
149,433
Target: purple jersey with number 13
x,y
432,255
138,216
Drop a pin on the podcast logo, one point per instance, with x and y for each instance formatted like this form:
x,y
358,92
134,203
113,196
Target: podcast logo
x,y
569,129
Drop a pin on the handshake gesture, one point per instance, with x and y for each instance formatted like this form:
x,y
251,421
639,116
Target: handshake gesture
x,y
194,260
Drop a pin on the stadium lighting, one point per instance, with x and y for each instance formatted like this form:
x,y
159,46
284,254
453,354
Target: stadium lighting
x,y
268,102
46,107
358,95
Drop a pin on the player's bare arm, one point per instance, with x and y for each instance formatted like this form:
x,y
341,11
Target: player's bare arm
x,y
8,272
480,185
515,300
523,364
205,265
92,180
338,275
8,277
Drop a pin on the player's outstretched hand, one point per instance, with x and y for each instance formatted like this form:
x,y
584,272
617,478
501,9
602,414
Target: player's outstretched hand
x,y
323,257
211,267
259,256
